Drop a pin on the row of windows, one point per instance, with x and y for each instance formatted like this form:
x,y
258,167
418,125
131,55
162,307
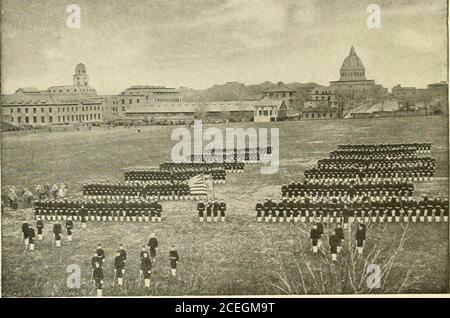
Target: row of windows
x,y
266,112
83,90
59,109
348,74
61,119
314,115
280,94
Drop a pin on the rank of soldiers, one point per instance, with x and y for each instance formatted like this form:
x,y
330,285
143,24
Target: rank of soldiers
x,y
88,209
212,210
344,211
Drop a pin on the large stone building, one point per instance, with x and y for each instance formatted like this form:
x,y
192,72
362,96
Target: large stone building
x,y
321,97
67,104
353,78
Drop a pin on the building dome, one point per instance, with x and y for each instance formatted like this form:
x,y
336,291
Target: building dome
x,y
352,68
80,69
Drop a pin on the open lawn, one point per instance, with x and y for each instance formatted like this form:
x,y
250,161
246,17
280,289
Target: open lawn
x,y
236,257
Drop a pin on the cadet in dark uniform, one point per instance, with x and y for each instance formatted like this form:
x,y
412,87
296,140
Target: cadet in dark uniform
x,y
119,268
208,211
40,228
97,275
360,238
259,211
320,230
69,227
173,254
153,246
222,209
314,236
57,230
334,243
339,232
201,210
31,234
24,239
146,269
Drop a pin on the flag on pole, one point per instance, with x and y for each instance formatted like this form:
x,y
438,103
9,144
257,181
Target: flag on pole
x,y
197,185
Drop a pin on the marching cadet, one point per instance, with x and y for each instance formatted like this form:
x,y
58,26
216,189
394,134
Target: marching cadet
x,y
266,208
69,228
215,210
40,228
158,211
339,232
101,253
222,209
83,215
97,275
314,236
201,210
57,230
259,211
360,238
208,212
24,239
31,234
146,270
334,243
153,246
173,254
119,268
320,230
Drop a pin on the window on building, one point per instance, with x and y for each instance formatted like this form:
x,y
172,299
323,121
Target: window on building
x,y
34,119
12,110
27,119
137,101
50,119
266,113
42,119
131,101
18,110
19,119
49,109
123,101
26,110
42,109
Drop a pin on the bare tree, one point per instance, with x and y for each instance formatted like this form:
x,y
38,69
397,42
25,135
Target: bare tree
x,y
299,271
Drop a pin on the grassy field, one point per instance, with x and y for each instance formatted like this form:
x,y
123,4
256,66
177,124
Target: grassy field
x,y
215,259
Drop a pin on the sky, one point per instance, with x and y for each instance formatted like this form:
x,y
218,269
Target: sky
x,y
198,44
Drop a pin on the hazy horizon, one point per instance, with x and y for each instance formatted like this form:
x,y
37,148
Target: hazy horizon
x,y
198,44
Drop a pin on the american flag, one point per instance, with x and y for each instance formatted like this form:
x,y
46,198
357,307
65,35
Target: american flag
x,y
197,185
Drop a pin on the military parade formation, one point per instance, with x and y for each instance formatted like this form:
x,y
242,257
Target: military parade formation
x,y
359,184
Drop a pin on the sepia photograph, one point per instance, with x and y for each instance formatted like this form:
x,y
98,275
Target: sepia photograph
x,y
245,148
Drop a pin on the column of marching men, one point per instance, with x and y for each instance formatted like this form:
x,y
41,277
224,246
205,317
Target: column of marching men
x,y
362,184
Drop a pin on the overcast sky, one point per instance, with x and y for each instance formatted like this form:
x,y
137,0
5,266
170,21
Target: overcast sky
x,y
201,43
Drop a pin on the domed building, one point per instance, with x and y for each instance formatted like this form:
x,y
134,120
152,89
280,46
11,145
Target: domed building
x,y
353,75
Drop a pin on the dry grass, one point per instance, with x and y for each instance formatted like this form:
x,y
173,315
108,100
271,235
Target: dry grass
x,y
231,258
